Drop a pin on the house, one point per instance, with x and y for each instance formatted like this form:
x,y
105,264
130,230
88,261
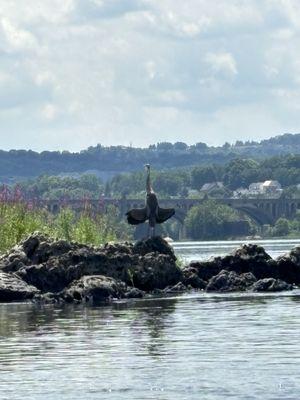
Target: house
x,y
208,187
240,192
260,189
271,187
256,187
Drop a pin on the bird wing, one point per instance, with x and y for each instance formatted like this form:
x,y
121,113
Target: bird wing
x,y
136,216
163,214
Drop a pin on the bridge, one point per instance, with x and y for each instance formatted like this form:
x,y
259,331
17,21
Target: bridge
x,y
263,211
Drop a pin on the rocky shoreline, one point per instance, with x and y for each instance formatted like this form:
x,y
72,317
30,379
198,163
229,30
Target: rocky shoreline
x,y
41,269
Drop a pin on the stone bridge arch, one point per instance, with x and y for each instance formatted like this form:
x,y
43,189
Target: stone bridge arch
x,y
258,215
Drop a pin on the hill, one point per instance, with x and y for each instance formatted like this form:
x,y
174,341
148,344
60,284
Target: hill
x,y
108,161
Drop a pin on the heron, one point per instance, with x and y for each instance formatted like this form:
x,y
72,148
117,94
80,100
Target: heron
x,y
151,212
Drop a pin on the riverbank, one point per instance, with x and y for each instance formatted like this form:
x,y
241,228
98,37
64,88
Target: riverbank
x,y
42,269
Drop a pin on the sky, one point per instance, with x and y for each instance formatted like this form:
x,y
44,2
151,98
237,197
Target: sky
x,y
75,73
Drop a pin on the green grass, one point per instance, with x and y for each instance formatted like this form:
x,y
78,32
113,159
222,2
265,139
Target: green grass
x,y
18,221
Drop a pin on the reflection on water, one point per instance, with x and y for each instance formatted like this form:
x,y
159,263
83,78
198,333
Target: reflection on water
x,y
211,346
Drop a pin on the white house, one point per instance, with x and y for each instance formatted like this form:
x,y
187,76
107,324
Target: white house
x,y
271,187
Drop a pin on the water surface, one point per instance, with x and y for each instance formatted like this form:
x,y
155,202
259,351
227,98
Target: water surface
x,y
194,346
190,251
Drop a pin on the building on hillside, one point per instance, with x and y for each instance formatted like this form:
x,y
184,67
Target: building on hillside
x,y
256,187
240,192
271,187
259,189
208,187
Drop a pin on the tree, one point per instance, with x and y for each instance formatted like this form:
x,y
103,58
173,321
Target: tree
x,y
281,227
202,175
240,173
207,220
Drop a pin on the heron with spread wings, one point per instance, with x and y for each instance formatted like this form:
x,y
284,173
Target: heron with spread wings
x,y
151,212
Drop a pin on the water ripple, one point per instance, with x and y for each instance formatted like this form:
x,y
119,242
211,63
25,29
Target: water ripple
x,y
188,347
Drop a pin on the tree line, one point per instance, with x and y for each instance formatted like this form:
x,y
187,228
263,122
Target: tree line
x,y
178,182
28,163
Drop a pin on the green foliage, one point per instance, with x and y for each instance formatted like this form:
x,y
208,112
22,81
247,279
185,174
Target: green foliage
x,y
55,187
202,175
24,163
207,220
281,227
18,221
240,173
64,224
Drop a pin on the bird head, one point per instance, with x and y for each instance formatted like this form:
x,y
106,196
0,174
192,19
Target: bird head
x,y
147,167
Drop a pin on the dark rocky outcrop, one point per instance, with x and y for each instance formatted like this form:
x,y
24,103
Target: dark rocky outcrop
x,y
178,288
289,266
94,289
49,270
12,288
250,258
153,245
271,285
232,272
52,265
230,281
247,258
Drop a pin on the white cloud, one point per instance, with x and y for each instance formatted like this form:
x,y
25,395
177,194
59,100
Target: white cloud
x,y
222,63
142,71
16,38
49,111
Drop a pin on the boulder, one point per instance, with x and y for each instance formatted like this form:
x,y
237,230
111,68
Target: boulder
x,y
271,285
246,258
230,281
12,288
191,278
94,289
203,269
178,288
250,258
289,266
154,271
134,293
153,245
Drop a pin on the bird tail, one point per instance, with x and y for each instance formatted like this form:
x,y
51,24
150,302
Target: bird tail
x,y
163,214
136,216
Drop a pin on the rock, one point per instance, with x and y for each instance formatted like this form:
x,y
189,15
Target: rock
x,y
247,258
178,288
250,258
134,293
229,281
114,248
95,289
271,285
47,298
156,244
289,266
51,265
191,278
155,272
12,288
203,269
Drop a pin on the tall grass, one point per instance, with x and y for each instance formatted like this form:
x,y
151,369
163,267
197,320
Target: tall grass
x,y
18,220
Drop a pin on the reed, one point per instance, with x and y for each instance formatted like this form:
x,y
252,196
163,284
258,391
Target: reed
x,y
18,219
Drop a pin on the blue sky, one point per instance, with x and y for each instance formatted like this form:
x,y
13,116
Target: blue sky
x,y
75,73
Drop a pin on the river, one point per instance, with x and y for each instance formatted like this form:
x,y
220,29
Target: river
x,y
193,346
